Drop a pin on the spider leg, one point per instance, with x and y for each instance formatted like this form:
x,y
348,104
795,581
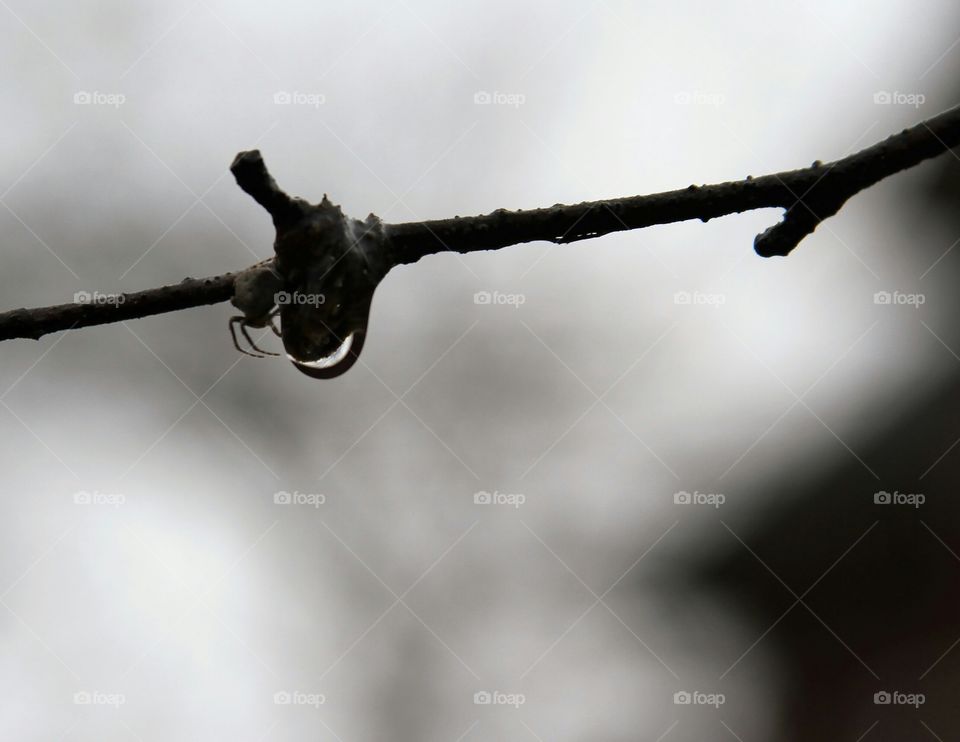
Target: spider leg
x,y
273,315
240,320
243,329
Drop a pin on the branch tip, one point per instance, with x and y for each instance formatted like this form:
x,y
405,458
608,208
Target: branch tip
x,y
251,174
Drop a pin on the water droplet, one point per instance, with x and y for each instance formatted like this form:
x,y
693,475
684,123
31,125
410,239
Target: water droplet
x,y
337,357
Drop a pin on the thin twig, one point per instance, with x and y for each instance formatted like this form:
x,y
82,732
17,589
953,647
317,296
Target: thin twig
x,y
809,196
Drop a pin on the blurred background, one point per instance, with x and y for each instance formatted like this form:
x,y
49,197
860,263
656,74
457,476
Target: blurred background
x,y
659,488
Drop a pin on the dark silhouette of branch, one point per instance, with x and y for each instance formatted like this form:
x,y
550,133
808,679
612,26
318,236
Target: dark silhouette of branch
x,y
191,292
808,195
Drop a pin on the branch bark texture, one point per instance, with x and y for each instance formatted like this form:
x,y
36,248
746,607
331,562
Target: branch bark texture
x,y
808,196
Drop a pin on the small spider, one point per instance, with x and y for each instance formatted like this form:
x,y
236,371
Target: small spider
x,y
254,292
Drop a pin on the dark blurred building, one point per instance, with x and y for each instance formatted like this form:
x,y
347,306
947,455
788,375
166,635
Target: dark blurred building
x,y
879,581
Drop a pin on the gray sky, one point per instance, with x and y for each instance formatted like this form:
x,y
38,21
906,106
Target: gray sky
x,y
194,597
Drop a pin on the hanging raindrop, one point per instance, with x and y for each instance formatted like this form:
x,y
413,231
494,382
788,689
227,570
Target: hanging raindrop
x,y
336,363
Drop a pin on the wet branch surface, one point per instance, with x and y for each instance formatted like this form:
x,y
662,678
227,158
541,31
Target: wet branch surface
x,y
808,196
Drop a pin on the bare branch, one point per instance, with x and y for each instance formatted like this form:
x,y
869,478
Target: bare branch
x,y
809,196
191,292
